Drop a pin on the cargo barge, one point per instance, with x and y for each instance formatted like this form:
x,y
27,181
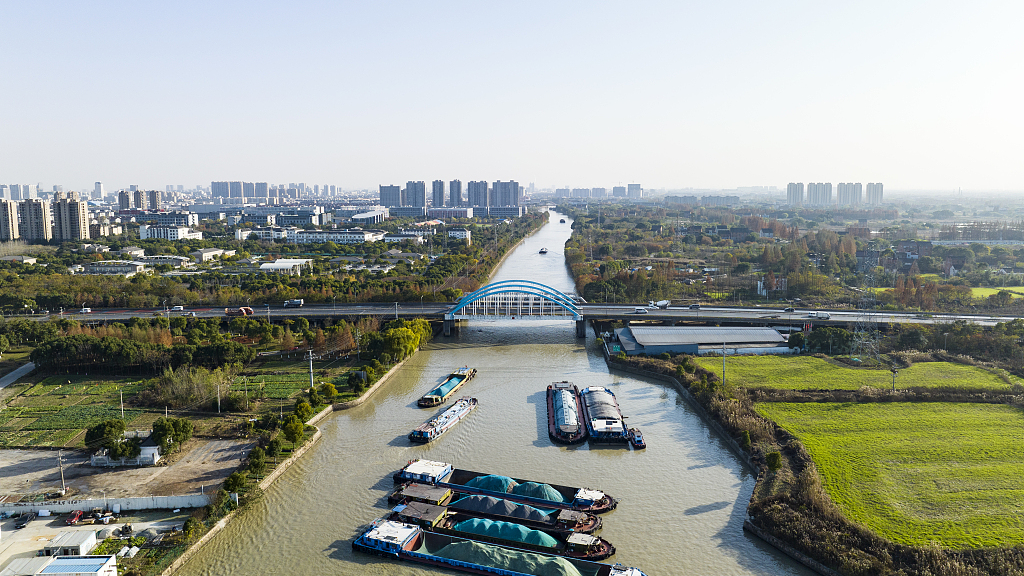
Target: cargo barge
x,y
444,421
565,414
514,489
442,393
602,415
411,543
505,533
480,506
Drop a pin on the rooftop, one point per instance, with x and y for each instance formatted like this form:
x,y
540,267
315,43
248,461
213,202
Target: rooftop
x,y
679,335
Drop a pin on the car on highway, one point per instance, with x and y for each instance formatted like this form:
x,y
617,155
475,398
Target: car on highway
x,y
178,309
85,311
192,314
640,310
694,306
790,310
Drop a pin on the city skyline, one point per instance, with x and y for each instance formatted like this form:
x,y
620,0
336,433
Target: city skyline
x,y
674,94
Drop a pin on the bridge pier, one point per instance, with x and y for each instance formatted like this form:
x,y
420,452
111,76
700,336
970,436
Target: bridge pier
x,y
448,327
581,328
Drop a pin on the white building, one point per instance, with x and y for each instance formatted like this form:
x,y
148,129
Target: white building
x,y
166,232
171,260
290,266
795,193
874,193
207,254
450,212
392,238
124,268
461,234
71,543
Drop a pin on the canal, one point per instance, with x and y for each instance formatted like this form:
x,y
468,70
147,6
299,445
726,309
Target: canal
x,y
682,501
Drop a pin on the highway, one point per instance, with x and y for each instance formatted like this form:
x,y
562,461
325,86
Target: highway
x,y
733,315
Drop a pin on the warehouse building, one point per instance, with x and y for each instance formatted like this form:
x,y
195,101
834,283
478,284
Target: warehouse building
x,y
654,340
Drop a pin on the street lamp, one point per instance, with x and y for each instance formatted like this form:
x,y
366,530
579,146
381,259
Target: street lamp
x,y
945,340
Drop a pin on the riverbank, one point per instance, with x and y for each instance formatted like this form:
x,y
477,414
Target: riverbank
x,y
511,249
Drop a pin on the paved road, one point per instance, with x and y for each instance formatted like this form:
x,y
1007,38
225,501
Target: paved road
x,y
12,377
753,315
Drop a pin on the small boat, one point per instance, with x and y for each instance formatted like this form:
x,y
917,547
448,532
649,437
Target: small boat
x,y
442,393
409,542
637,439
543,250
480,506
508,533
444,421
562,221
565,415
602,416
514,489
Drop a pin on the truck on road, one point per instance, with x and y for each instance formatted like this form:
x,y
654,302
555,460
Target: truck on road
x,y
242,311
295,303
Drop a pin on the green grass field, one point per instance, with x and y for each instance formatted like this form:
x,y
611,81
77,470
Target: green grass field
x,y
918,473
806,372
1015,291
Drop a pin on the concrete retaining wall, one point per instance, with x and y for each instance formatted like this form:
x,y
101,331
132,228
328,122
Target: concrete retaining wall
x,y
266,482
372,389
138,503
191,550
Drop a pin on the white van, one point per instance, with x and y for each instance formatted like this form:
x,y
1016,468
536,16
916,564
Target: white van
x,y
85,310
178,309
640,310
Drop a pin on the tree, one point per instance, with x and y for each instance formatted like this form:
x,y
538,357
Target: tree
x,y
235,482
257,461
193,528
104,434
774,461
303,410
328,391
274,447
293,430
797,340
4,344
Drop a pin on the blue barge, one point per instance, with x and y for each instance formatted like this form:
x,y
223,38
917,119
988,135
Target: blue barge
x,y
442,393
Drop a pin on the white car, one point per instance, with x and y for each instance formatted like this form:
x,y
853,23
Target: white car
x,y
178,309
85,310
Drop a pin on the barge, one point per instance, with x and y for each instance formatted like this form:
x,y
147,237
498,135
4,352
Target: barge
x,y
509,534
514,489
565,414
413,544
442,393
480,506
602,415
431,429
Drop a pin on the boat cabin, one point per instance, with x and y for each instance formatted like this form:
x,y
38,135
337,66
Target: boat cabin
x,y
571,518
588,497
426,471
420,514
392,537
435,495
581,543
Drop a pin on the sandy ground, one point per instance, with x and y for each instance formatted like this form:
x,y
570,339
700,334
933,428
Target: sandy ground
x,y
206,464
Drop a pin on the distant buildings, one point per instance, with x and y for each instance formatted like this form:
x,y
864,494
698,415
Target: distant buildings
x,y
848,194
634,191
874,193
454,193
438,192
819,194
9,229
795,193
477,194
391,196
36,220
165,232
461,234
70,217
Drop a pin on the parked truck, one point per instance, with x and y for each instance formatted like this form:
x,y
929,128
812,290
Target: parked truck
x,y
295,303
242,311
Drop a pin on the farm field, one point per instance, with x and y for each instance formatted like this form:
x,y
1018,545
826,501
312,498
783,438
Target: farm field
x,y
1015,291
918,473
808,372
14,358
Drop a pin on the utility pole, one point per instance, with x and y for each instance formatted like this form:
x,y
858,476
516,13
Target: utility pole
x,y
60,464
218,397
396,310
122,404
246,382
723,364
311,386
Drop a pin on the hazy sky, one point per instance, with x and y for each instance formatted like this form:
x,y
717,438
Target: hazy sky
x,y
921,95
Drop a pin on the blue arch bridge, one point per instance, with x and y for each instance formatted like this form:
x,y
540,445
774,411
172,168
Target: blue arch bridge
x,y
516,300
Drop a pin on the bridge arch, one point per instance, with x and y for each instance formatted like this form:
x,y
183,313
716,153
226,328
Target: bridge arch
x,y
515,299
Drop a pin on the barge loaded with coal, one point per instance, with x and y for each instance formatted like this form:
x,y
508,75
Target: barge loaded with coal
x,y
444,421
514,489
565,414
481,506
602,416
411,543
455,522
442,393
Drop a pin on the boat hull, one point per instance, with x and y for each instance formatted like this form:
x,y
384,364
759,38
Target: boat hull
x,y
556,433
610,411
436,398
433,429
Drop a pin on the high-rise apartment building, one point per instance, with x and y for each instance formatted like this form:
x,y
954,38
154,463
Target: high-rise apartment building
x,y
416,194
455,193
874,193
795,193
219,189
477,194
819,193
70,217
598,192
97,191
139,199
248,190
261,190
634,191
581,193
619,191
5,191
391,196
506,193
848,194
9,220
16,192
437,187
235,189
36,221
153,200
124,200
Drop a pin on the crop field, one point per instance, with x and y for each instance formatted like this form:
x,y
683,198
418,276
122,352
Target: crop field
x,y
918,473
1015,292
807,372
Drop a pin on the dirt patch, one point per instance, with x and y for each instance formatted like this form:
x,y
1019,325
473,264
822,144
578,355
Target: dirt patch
x,y
202,467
